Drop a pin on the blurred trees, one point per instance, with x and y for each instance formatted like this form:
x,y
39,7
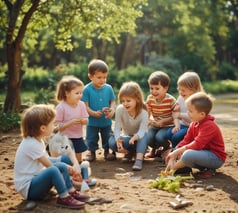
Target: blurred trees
x,y
22,21
199,35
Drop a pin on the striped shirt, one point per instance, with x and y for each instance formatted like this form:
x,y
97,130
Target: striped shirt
x,y
162,109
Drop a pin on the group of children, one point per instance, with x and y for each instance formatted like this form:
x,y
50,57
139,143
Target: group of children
x,y
180,130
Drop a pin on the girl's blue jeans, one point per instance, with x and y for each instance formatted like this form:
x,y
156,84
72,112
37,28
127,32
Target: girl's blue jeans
x,y
92,137
56,175
140,146
178,136
201,159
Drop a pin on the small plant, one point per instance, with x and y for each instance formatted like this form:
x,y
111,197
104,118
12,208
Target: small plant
x,y
44,96
9,121
169,182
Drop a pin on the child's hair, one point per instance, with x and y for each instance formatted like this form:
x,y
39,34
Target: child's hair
x,y
190,80
97,65
132,89
34,117
201,101
66,84
159,77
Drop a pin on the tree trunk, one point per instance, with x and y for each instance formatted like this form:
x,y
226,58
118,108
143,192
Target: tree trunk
x,y
14,50
14,73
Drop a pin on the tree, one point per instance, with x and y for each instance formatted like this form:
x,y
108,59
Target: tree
x,y
22,20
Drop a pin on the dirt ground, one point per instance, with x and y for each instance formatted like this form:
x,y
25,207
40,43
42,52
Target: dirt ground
x,y
130,190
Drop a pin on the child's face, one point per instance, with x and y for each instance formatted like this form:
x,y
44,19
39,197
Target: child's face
x,y
158,91
128,103
185,92
98,79
74,95
48,130
194,114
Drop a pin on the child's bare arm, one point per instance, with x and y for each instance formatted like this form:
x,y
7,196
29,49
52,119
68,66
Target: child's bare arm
x,y
44,160
92,112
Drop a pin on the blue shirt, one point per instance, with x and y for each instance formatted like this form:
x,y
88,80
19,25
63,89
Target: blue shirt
x,y
98,99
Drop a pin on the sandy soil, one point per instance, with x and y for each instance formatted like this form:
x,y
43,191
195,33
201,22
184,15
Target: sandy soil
x,y
130,190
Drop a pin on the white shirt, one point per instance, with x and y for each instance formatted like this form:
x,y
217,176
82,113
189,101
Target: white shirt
x,y
129,125
26,165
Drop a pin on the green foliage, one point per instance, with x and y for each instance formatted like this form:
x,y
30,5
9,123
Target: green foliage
x,y
221,87
44,96
227,71
169,183
137,73
9,121
171,66
37,77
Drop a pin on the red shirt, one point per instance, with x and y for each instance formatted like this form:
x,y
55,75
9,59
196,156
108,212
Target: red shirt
x,y
205,135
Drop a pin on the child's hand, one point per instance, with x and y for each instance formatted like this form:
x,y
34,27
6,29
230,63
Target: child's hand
x,y
76,121
70,170
133,139
108,112
77,177
155,123
120,147
175,129
76,168
97,114
170,165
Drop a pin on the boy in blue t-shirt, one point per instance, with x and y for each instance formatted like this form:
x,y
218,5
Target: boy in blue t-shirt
x,y
99,99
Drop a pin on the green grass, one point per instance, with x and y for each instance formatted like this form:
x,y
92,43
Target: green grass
x,y
221,87
27,97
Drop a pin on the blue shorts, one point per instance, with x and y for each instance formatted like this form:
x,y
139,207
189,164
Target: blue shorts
x,y
79,145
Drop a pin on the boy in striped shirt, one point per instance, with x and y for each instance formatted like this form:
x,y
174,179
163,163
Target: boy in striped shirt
x,y
160,106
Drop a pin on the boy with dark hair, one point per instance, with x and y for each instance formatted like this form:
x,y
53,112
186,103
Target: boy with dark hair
x,y
99,99
203,146
160,106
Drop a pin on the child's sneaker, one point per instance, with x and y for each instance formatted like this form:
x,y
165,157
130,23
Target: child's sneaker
x,y
91,182
78,196
127,157
69,202
151,154
137,165
207,173
111,156
91,156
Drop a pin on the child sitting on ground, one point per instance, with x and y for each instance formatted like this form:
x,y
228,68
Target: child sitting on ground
x,y
203,146
34,173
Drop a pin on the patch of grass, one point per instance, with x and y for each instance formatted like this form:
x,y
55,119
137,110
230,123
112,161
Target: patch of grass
x,y
221,87
27,97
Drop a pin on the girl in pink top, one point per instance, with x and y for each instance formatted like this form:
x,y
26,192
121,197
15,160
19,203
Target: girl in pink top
x,y
71,113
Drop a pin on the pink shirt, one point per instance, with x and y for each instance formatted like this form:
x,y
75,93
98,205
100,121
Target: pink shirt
x,y
65,112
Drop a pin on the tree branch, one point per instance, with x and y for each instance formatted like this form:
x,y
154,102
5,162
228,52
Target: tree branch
x,y
26,20
8,4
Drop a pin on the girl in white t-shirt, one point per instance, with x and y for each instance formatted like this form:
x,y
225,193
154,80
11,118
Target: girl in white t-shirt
x,y
188,84
34,173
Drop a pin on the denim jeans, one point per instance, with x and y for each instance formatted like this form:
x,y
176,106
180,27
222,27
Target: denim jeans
x,y
56,175
92,137
201,159
157,137
178,136
140,146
